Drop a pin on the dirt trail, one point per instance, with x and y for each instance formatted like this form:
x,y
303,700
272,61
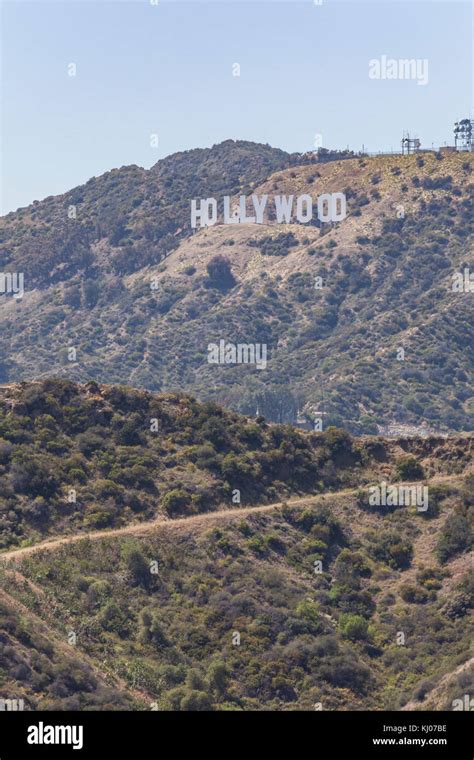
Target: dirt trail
x,y
140,529
135,530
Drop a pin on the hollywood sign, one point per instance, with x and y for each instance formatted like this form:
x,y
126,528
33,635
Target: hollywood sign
x,y
330,207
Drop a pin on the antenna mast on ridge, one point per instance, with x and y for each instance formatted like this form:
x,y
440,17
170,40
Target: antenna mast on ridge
x,y
463,135
410,144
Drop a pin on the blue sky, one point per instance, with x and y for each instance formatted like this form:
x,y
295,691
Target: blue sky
x,y
166,69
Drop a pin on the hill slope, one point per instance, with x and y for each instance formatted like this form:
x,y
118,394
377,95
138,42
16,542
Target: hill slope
x,y
386,273
320,601
302,639
91,457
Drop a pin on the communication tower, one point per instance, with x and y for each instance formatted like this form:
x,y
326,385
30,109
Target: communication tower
x,y
463,134
410,144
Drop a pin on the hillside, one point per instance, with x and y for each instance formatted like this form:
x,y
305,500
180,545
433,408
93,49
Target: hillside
x,y
91,457
386,274
156,590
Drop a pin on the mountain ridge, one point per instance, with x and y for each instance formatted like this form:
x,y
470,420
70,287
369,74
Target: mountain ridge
x,y
387,285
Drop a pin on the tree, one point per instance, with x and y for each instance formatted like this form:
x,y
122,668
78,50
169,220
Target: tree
x,y
196,701
176,502
72,296
34,475
113,619
393,549
220,273
151,629
91,291
131,433
218,675
408,468
455,537
353,627
138,567
350,567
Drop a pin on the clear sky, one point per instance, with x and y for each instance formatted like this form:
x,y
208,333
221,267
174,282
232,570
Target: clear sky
x,y
167,69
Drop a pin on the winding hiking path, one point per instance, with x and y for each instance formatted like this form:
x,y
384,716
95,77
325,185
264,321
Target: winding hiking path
x,y
183,524
141,529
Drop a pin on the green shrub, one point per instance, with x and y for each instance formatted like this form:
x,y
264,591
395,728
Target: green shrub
x,y
220,273
414,594
408,468
138,567
151,629
353,627
278,245
218,675
456,537
195,701
113,619
177,503
391,548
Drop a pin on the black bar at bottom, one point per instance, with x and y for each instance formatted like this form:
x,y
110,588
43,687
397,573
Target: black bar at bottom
x,y
159,734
